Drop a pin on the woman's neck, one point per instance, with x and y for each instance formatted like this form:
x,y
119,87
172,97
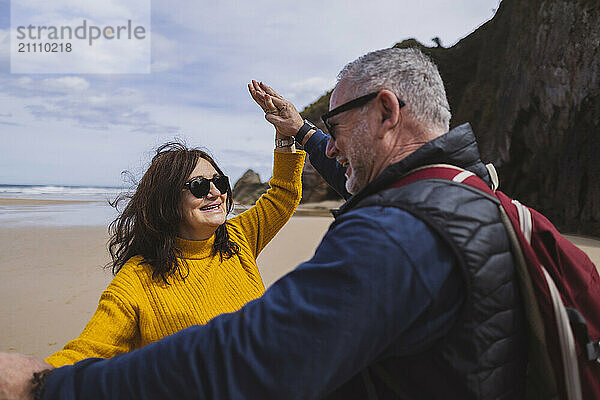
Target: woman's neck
x,y
189,234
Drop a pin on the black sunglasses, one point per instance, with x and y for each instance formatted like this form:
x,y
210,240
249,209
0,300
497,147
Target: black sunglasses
x,y
359,101
200,187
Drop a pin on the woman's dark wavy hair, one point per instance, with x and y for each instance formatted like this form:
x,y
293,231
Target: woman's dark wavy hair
x,y
149,222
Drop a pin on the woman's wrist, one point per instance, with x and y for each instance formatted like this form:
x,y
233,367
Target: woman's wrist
x,y
287,168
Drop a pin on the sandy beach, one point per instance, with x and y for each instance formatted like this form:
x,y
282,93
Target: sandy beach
x,y
52,276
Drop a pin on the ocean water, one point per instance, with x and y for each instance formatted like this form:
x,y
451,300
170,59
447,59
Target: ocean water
x,y
67,205
76,206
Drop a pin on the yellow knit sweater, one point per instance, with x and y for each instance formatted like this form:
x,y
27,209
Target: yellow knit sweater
x,y
136,310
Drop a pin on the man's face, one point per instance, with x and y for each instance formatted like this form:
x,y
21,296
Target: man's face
x,y
352,144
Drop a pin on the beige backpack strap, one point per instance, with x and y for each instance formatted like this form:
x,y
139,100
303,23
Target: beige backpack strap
x,y
565,332
493,176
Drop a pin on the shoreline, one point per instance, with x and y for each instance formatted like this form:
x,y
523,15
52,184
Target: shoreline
x,y
20,201
319,209
316,209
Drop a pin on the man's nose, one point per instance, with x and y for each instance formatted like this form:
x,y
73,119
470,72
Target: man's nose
x,y
331,150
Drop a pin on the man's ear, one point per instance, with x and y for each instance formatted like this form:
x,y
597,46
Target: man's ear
x,y
388,112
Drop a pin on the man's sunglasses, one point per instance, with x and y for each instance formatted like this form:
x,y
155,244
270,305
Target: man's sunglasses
x,y
200,187
359,101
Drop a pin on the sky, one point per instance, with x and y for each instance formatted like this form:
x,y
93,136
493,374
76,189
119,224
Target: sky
x,y
87,128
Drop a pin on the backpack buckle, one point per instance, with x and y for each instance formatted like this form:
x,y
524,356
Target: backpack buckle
x,y
593,351
590,348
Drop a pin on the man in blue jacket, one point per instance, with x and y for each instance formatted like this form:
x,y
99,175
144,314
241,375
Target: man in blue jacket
x,y
411,294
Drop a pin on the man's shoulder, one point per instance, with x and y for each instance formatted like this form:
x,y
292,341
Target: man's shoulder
x,y
387,214
390,237
382,222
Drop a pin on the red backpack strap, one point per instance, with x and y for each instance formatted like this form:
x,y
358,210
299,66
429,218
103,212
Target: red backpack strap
x,y
445,172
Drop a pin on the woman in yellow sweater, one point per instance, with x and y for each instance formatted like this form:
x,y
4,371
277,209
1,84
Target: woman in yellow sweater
x,y
178,261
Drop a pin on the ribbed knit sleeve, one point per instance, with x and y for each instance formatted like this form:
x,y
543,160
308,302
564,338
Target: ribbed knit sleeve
x,y
112,330
273,209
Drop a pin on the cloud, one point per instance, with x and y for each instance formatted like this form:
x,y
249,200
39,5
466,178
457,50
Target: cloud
x,y
306,91
8,115
104,10
101,112
170,54
4,50
67,85
240,158
73,98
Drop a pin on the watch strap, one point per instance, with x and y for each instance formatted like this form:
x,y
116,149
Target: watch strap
x,y
304,130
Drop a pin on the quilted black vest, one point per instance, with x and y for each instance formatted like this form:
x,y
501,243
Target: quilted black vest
x,y
484,354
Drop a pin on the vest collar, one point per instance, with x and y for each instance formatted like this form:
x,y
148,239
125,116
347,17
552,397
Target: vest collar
x,y
457,147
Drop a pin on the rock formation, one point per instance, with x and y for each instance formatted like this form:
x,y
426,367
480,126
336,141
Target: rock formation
x,y
528,81
314,188
249,188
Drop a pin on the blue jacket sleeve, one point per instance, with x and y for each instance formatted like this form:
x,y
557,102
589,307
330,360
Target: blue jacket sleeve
x,y
361,294
328,168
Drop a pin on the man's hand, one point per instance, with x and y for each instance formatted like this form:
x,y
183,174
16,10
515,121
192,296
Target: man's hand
x,y
16,372
278,111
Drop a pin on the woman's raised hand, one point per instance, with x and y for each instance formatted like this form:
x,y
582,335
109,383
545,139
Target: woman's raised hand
x,y
278,111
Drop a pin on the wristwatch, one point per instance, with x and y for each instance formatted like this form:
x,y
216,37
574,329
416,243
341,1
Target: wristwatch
x,y
304,130
285,142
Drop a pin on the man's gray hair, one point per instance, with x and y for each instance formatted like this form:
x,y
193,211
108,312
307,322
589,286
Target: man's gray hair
x,y
410,74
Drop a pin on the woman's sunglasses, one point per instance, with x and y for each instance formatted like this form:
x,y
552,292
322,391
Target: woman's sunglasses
x,y
200,187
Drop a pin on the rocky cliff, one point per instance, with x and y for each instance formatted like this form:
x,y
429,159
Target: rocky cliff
x,y
528,81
